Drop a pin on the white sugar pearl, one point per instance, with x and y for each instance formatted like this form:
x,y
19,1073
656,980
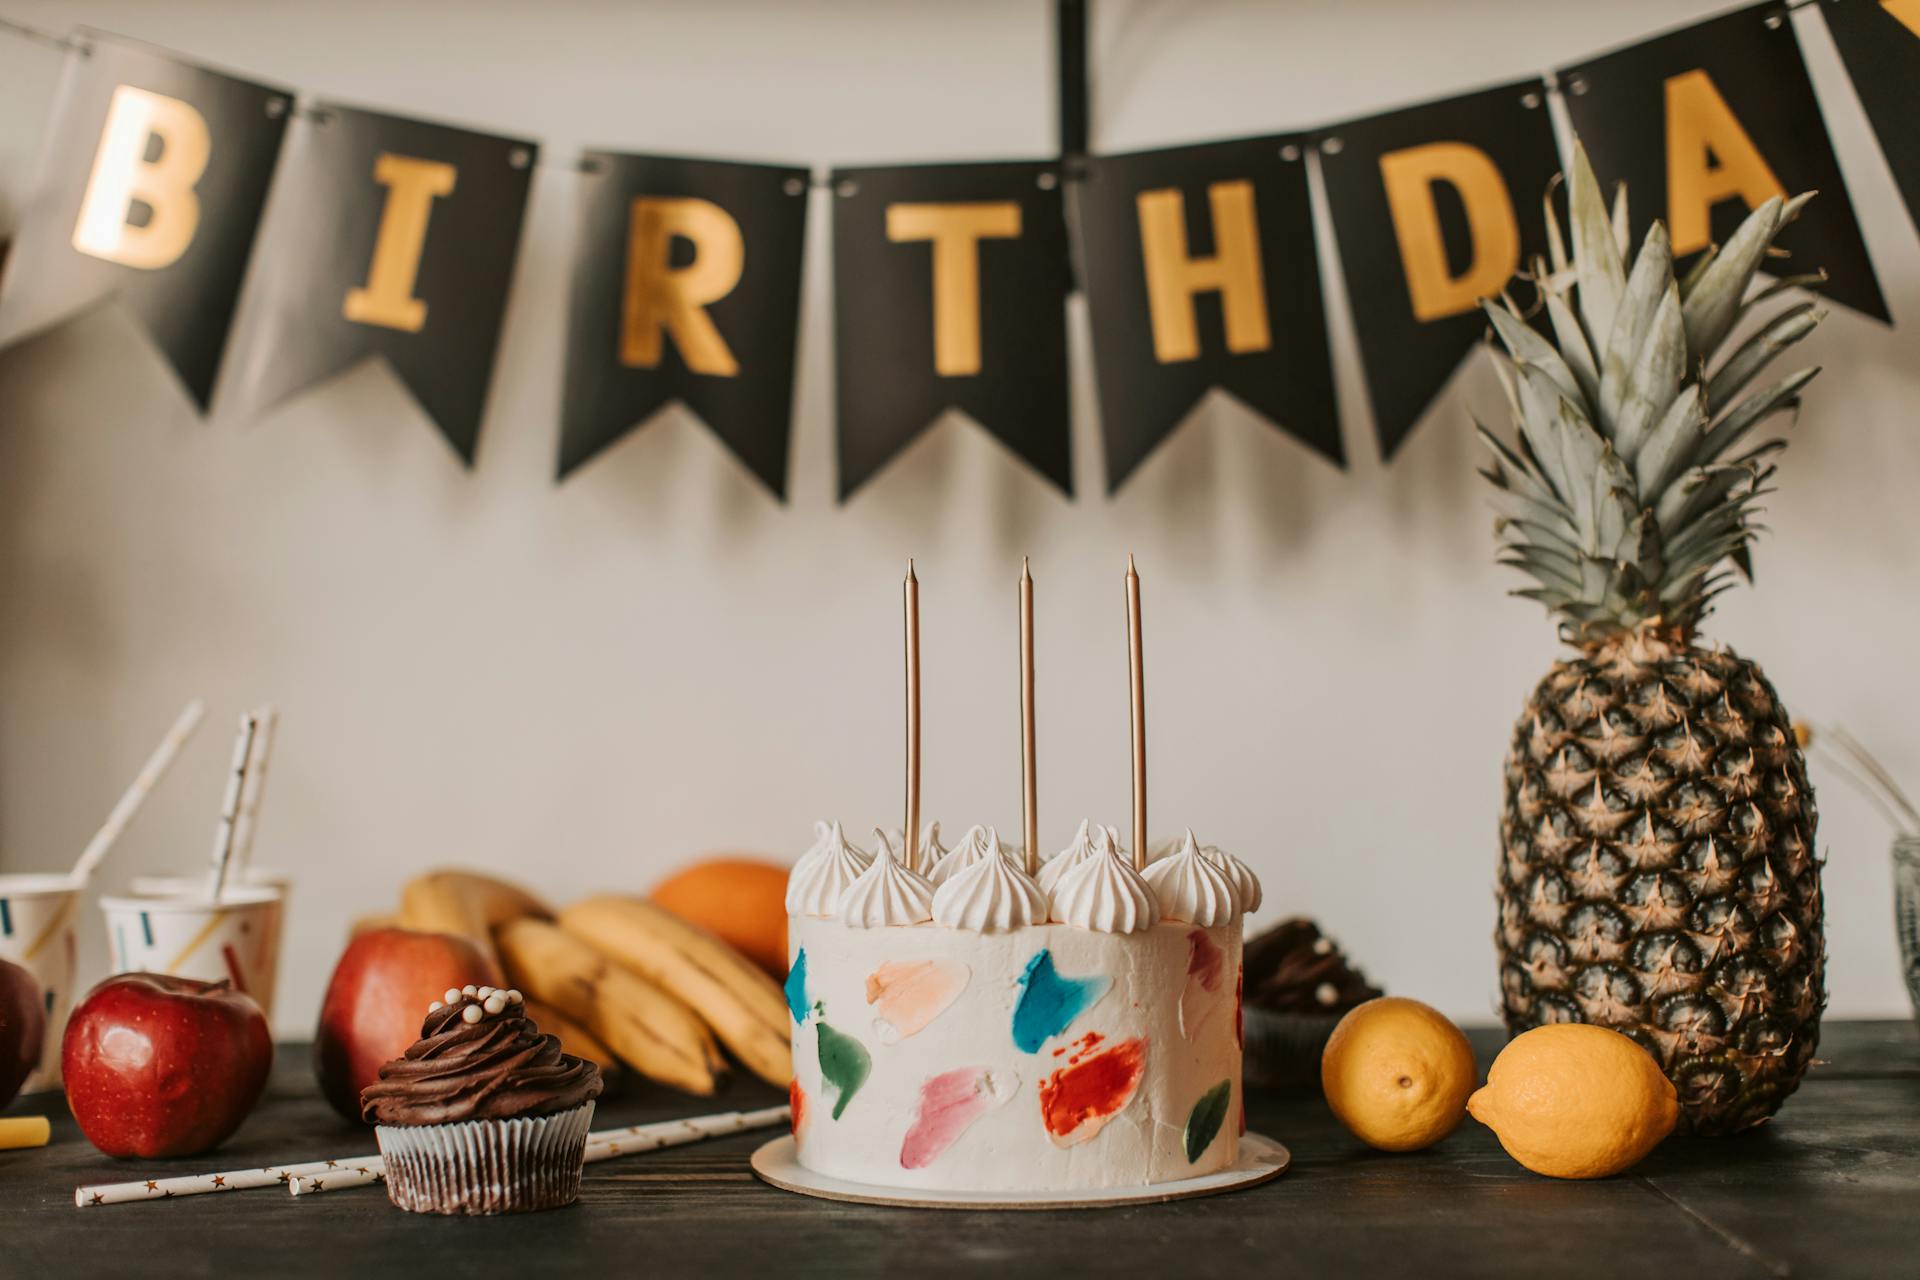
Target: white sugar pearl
x,y
484,992
436,1005
496,1003
514,997
471,1013
1327,993
468,990
451,995
1322,947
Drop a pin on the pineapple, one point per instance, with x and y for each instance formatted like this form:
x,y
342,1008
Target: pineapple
x,y
1658,872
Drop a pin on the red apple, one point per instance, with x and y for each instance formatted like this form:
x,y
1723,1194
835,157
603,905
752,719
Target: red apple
x,y
164,1066
377,998
23,1024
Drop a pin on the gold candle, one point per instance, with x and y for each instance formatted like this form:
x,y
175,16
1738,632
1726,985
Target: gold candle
x,y
1137,680
912,604
1030,787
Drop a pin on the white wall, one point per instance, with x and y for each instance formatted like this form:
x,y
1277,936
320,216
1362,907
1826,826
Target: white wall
x,y
582,686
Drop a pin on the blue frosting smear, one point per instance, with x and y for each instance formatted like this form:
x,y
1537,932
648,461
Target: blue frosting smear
x,y
1049,1003
796,987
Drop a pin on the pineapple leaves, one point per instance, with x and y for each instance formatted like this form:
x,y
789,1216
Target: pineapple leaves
x,y
1757,352
1715,302
1632,493
1596,254
1653,380
1647,287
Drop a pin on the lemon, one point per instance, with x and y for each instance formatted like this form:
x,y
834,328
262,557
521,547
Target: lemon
x,y
1397,1074
1570,1100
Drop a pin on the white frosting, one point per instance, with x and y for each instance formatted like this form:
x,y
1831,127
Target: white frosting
x,y
823,874
1245,883
1064,861
930,851
1104,893
888,892
1191,888
972,848
1186,1025
992,895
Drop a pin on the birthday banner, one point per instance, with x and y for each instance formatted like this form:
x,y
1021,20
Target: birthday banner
x,y
360,235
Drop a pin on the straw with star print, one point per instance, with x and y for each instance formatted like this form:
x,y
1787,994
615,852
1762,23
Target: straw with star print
x,y
606,1144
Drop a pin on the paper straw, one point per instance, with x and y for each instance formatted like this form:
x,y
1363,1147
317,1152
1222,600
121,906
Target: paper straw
x,y
255,787
607,1144
194,1184
136,795
359,1171
230,806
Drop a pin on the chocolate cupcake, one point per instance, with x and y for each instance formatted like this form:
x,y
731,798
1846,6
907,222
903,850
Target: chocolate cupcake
x,y
1298,986
483,1114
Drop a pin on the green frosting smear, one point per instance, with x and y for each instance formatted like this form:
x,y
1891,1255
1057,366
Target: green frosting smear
x,y
845,1064
1203,1123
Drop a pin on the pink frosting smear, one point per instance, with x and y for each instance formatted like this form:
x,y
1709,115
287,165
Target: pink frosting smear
x,y
909,994
949,1102
1205,962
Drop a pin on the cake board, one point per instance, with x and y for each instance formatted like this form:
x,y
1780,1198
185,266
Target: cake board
x,y
1261,1160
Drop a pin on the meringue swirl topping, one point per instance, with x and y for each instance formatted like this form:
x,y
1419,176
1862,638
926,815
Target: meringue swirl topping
x,y
992,895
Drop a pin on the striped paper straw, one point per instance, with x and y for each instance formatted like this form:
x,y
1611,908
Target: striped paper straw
x,y
136,795
255,786
230,805
606,1144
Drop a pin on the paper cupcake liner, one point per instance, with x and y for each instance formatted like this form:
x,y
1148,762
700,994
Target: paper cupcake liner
x,y
486,1166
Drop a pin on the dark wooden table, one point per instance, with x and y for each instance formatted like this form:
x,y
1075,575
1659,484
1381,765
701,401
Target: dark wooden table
x,y
1831,1188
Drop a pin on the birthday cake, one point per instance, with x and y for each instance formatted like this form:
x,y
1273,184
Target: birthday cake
x,y
961,1025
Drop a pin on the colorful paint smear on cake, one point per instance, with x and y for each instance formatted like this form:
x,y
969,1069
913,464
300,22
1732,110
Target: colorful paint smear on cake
x,y
796,1108
1049,1002
844,1065
1206,964
1077,1101
909,994
796,987
949,1103
1204,1121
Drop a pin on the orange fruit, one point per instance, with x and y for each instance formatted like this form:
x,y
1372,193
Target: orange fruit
x,y
1397,1074
742,901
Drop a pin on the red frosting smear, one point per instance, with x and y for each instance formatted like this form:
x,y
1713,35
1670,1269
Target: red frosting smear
x,y
798,1102
1204,960
1086,1095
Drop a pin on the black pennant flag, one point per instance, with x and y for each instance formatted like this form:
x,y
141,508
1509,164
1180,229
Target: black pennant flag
x,y
1435,207
1705,123
156,174
686,286
387,237
1201,274
950,291
1879,41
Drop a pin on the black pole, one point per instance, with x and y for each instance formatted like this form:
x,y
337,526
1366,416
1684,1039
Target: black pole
x,y
1072,48
1070,39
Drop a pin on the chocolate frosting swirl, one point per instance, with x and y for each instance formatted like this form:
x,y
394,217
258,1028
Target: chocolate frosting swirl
x,y
1293,968
495,1069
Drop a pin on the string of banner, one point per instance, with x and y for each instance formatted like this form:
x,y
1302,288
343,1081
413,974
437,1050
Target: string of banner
x,y
359,234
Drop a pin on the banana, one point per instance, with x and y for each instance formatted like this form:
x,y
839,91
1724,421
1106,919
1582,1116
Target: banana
x,y
468,904
367,924
646,1028
574,1038
739,1001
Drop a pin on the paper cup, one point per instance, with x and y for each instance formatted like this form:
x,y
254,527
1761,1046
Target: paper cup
x,y
190,937
37,916
189,887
